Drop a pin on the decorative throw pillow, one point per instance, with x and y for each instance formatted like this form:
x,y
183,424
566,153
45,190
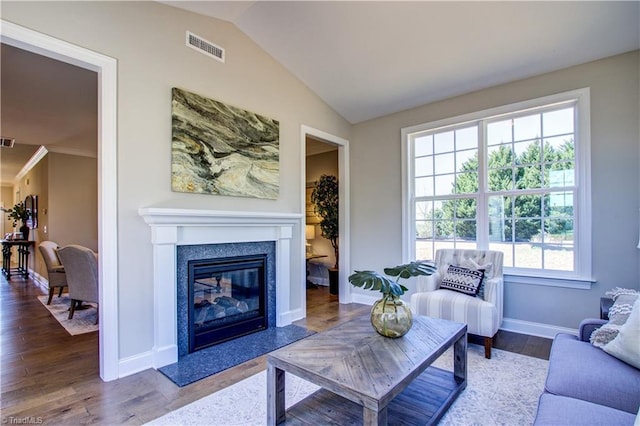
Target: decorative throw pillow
x,y
486,268
626,345
623,300
462,280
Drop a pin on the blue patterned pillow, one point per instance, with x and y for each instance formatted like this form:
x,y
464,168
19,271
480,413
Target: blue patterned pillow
x,y
462,280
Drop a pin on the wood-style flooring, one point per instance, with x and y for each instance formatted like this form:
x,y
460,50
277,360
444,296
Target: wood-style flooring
x,y
53,378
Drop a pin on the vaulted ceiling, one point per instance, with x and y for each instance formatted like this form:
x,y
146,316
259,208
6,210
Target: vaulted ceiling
x,y
365,59
369,59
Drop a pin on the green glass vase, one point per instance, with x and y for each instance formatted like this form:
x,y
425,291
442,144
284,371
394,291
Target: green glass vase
x,y
391,316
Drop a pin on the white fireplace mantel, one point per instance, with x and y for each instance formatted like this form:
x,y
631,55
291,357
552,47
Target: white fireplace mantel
x,y
173,227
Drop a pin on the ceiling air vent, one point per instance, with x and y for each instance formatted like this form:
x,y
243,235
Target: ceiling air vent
x,y
7,142
204,46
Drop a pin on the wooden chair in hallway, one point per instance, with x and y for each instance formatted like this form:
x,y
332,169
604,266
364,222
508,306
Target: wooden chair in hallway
x,y
81,266
55,271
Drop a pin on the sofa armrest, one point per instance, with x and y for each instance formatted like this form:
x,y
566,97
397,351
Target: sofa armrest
x,y
587,326
428,283
494,294
493,289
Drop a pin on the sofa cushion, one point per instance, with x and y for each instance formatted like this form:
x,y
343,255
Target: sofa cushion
x,y
561,410
481,317
618,314
626,345
579,370
463,280
486,268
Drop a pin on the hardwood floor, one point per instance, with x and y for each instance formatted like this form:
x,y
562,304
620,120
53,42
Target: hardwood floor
x,y
53,378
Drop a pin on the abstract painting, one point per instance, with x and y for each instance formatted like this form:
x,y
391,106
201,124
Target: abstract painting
x,y
223,150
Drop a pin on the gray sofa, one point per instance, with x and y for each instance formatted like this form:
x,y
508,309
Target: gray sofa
x,y
587,386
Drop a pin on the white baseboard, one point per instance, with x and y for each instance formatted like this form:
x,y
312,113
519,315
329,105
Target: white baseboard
x,y
143,361
548,331
135,364
42,282
364,298
535,328
286,318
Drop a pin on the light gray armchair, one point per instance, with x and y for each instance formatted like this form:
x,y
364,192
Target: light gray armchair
x,y
55,271
81,266
482,314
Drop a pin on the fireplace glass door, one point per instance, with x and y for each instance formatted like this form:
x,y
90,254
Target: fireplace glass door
x,y
227,299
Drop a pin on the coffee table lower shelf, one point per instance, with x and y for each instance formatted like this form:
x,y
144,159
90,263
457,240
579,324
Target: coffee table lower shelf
x,y
423,402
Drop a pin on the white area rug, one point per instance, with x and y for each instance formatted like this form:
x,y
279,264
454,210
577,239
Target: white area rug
x,y
83,320
501,390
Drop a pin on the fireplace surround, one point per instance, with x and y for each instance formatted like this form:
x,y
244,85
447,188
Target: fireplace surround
x,y
216,254
173,228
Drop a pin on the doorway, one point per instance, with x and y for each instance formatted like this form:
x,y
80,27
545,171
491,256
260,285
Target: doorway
x,y
106,68
333,152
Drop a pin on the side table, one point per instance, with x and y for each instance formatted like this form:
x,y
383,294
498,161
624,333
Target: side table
x,y
605,304
23,257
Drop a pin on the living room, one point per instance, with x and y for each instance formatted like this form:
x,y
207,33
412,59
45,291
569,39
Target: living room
x,y
135,161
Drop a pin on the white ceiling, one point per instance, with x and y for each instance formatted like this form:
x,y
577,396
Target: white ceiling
x,y
365,59
369,59
44,102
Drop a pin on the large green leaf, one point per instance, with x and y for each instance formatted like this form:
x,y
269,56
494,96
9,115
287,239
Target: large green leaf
x,y
412,269
371,280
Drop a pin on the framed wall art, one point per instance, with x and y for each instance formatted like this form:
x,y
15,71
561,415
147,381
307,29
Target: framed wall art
x,y
220,149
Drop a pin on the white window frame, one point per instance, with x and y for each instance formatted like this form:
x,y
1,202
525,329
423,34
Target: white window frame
x,y
581,277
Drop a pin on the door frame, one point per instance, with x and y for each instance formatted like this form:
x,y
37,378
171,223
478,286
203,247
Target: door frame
x,y
106,68
344,290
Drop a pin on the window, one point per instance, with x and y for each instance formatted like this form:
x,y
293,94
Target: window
x,y
513,179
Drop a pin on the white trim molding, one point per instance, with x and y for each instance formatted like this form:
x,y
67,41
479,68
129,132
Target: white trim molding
x,y
581,274
173,227
107,70
35,159
535,328
344,266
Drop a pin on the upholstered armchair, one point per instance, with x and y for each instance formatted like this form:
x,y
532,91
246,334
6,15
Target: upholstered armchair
x,y
81,266
55,271
482,313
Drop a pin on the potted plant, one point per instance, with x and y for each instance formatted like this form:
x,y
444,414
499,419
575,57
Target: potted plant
x,y
325,200
391,316
19,213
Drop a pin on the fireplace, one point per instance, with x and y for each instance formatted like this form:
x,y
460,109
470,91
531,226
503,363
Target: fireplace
x,y
226,298
186,234
237,275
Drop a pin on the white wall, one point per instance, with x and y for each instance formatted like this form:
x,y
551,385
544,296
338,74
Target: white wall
x,y
615,111
148,41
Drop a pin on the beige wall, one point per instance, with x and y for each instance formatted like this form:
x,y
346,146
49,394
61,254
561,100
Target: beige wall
x,y
615,140
72,209
67,190
148,41
6,201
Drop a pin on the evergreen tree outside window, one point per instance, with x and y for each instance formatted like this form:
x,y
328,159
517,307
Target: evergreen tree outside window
x,y
513,179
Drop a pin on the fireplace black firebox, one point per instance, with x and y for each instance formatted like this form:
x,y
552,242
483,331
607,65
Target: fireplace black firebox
x,y
227,299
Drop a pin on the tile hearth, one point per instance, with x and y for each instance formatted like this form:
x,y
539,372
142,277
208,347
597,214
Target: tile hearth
x,y
206,362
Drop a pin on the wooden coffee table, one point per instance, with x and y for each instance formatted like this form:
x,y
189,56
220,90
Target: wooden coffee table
x,y
370,379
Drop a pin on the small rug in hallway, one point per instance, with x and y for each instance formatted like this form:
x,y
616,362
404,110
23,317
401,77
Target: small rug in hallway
x,y
501,390
205,362
83,320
